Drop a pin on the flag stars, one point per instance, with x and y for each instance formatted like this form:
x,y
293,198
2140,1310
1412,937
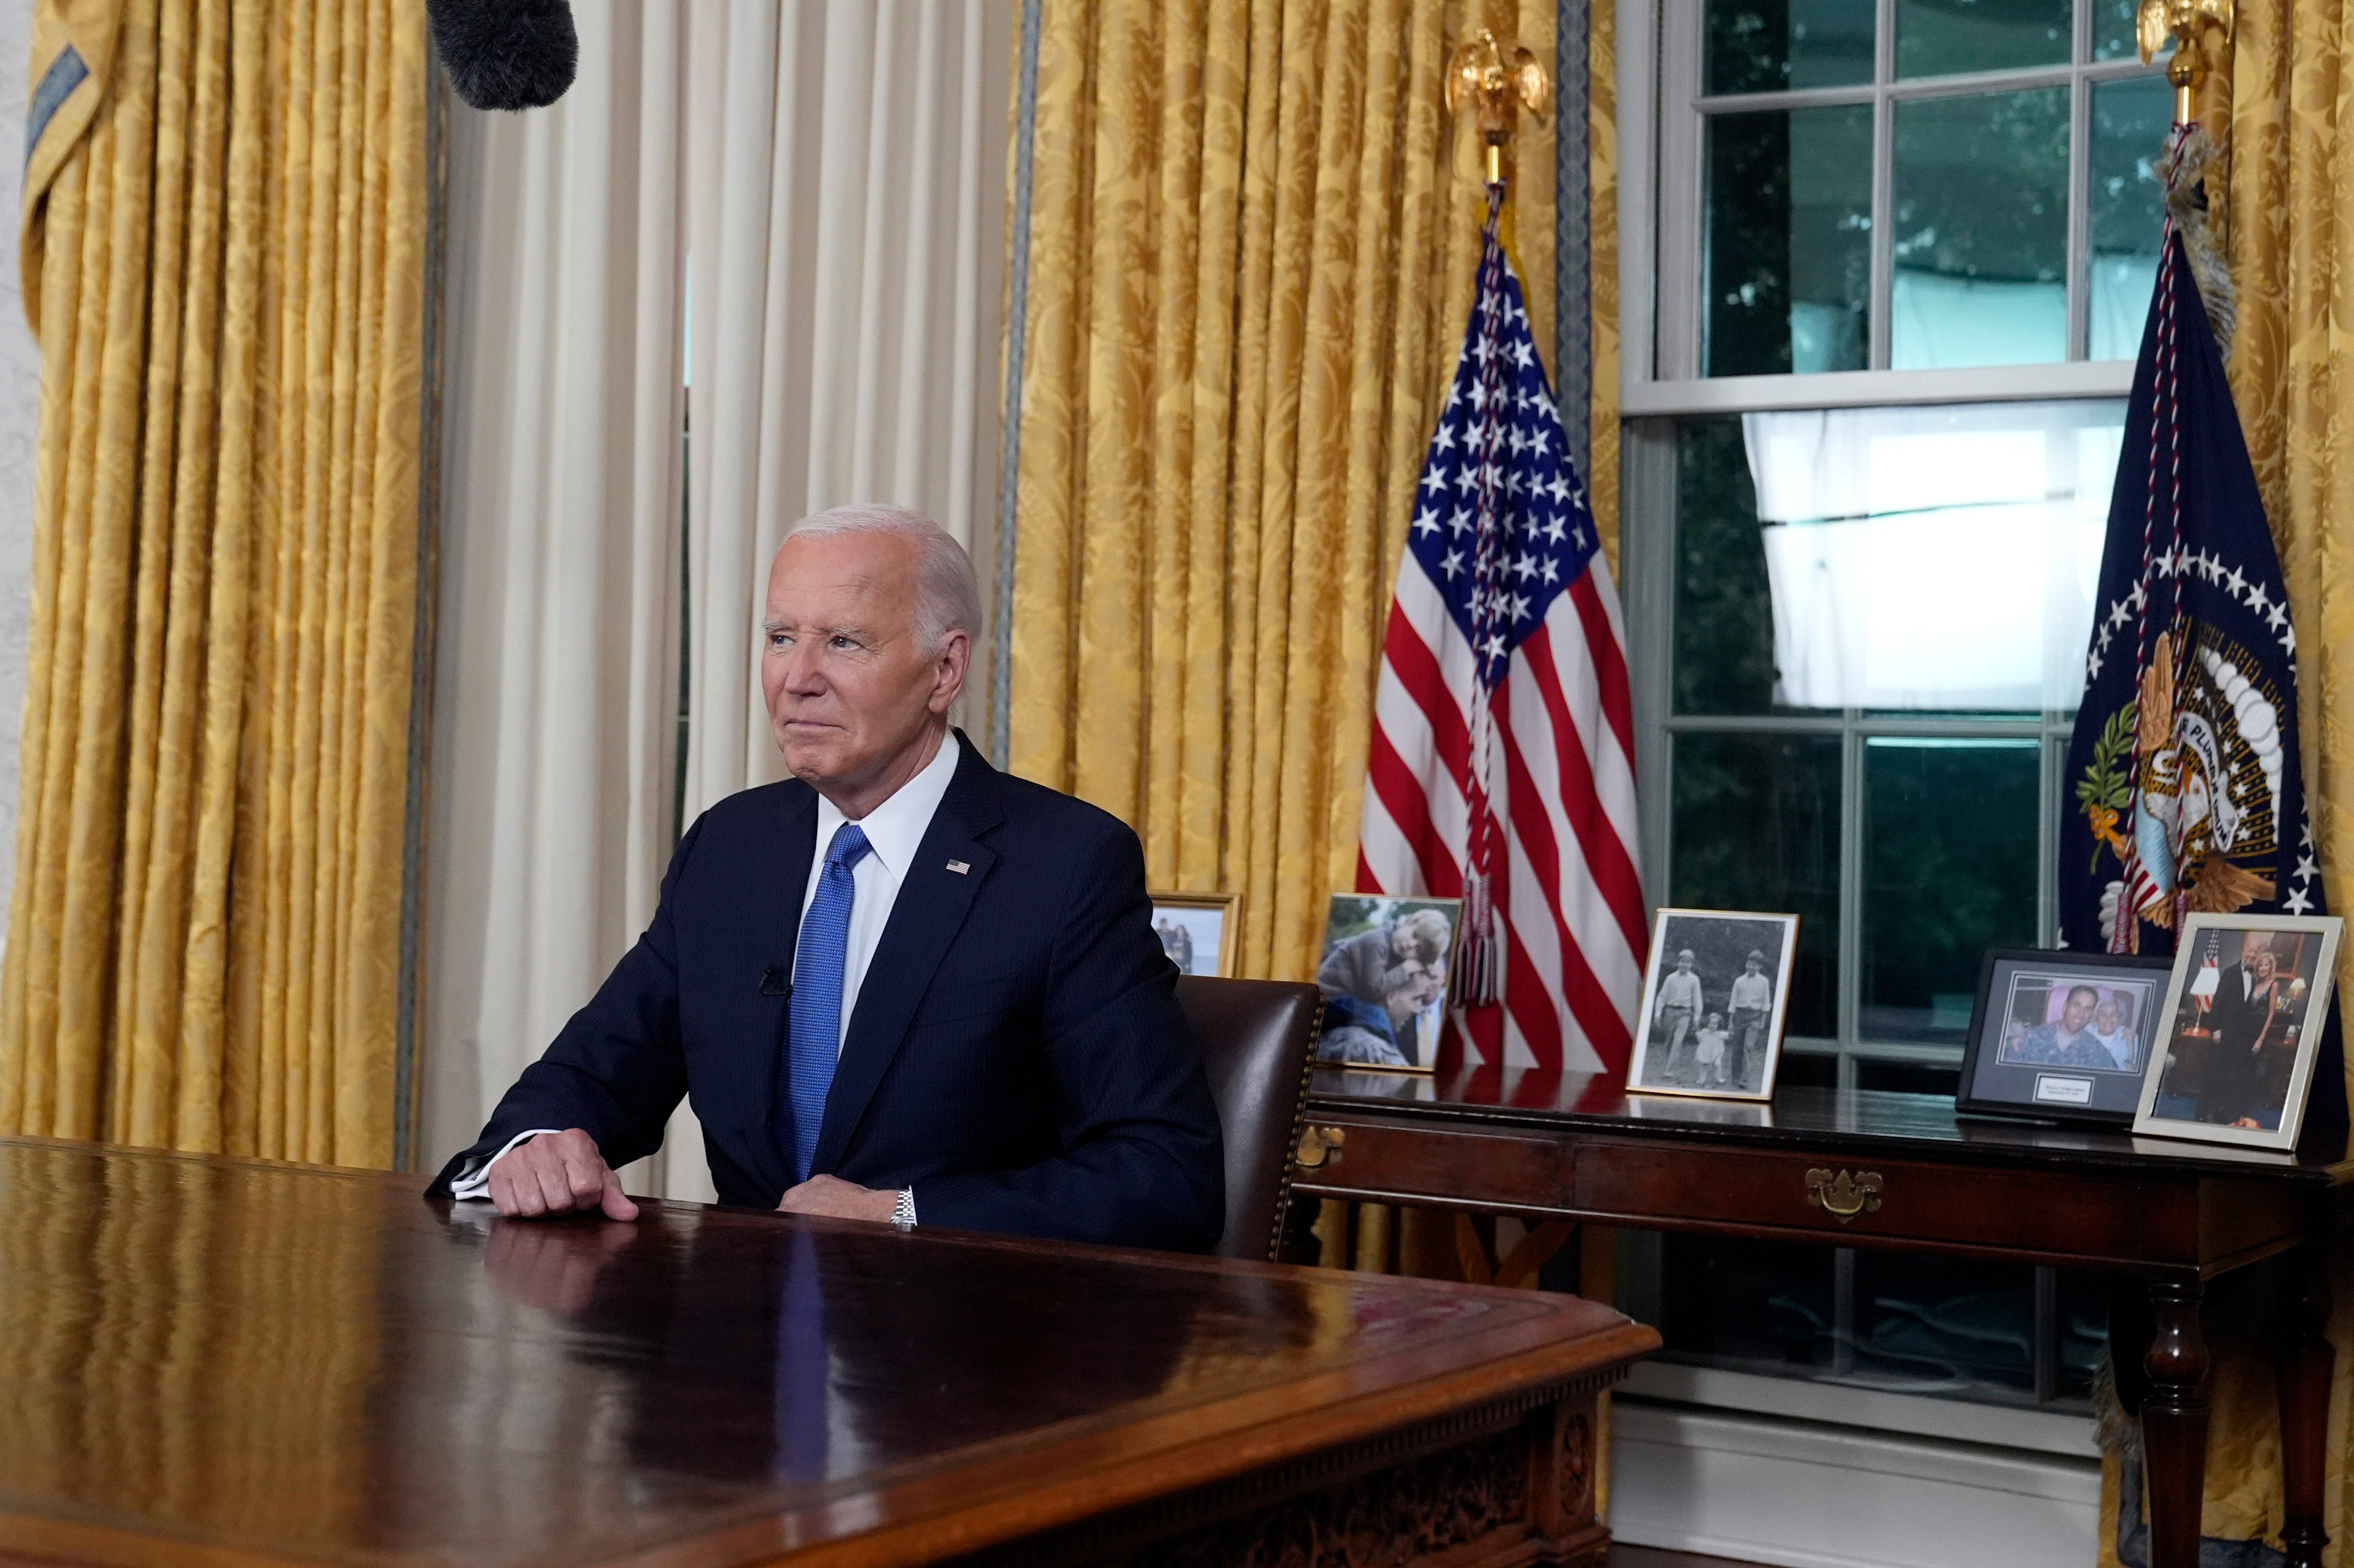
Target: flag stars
x,y
1451,564
1426,521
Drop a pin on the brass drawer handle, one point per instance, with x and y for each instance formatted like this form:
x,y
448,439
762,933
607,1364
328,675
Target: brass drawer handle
x,y
1844,1196
1319,1147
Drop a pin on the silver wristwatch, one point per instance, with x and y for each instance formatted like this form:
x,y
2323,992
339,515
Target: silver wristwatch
x,y
903,1212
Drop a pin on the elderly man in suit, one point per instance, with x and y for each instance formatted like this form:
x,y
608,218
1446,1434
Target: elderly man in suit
x,y
900,986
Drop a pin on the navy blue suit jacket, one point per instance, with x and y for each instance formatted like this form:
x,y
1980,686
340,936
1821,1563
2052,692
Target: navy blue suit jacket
x,y
1016,1054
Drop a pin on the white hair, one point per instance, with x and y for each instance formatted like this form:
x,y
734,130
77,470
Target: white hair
x,y
947,593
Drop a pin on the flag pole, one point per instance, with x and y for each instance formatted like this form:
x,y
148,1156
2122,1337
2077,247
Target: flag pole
x,y
2201,31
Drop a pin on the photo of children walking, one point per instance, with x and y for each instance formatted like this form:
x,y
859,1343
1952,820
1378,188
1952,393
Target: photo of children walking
x,y
1713,1004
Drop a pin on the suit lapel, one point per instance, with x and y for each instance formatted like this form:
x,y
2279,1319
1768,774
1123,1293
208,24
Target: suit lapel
x,y
775,916
925,919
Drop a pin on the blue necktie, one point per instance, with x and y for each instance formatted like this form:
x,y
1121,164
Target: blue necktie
x,y
816,1029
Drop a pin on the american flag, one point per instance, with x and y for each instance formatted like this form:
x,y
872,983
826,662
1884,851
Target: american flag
x,y
1502,769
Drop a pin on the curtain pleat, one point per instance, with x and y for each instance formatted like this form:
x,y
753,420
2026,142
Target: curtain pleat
x,y
1253,232
846,231
204,932
558,642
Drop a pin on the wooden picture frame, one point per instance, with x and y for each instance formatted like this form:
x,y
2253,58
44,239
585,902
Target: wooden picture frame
x,y
2206,1083
1188,923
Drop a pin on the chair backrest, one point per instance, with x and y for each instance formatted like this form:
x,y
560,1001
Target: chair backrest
x,y
1258,1040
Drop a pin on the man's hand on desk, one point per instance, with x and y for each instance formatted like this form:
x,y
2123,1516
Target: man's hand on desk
x,y
559,1173
842,1199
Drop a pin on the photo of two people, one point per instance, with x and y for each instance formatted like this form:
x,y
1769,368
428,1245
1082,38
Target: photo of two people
x,y
2236,1030
1383,977
1713,1004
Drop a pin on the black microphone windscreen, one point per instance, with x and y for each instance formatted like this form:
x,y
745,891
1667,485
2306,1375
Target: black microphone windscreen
x,y
506,54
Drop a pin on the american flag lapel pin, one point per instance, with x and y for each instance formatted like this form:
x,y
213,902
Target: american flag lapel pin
x,y
959,867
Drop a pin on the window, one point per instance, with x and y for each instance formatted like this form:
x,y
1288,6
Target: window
x,y
1888,266
1905,185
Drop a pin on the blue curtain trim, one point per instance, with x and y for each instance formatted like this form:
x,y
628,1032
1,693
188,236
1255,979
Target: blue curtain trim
x,y
65,73
1573,232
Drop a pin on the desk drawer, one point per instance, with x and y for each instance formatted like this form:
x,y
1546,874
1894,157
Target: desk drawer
x,y
1492,1171
1841,1197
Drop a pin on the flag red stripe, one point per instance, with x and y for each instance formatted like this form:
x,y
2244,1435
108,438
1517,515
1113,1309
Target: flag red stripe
x,y
1586,1001
1606,856
1609,661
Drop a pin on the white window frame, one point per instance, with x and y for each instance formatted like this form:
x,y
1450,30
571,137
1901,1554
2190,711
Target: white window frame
x,y
1659,181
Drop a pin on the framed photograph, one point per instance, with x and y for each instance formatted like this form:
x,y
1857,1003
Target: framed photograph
x,y
1383,976
1201,932
2060,1036
2243,1022
1714,994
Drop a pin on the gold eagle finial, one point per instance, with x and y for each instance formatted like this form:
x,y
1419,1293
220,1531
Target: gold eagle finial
x,y
1498,87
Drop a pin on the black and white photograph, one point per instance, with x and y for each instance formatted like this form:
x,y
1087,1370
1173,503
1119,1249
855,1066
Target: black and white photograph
x,y
2244,1012
2061,1036
1714,993
1383,977
1198,931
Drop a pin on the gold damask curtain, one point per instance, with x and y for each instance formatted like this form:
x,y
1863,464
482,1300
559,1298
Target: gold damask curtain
x,y
225,256
2290,233
1253,233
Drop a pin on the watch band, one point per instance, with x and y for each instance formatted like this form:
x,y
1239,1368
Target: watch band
x,y
903,1212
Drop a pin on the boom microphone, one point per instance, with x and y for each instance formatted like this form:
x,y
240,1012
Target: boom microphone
x,y
506,54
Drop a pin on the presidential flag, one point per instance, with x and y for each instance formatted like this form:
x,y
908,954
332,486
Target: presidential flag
x,y
2185,789
1501,767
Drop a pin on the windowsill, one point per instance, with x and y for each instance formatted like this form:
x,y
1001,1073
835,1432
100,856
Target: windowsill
x,y
1856,388
1845,1405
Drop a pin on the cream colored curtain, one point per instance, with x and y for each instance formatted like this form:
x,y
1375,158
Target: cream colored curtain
x,y
226,269
556,695
1252,242
846,214
800,210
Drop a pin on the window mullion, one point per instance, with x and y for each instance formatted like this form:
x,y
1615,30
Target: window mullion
x,y
1883,158
2079,276
1851,895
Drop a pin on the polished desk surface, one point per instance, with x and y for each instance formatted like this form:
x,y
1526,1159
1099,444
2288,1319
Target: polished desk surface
x,y
1868,1123
233,1362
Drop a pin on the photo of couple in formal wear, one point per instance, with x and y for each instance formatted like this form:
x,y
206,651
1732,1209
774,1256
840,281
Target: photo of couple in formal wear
x,y
2247,1000
1712,1005
1383,976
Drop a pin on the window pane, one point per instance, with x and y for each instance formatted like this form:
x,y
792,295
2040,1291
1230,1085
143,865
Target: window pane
x,y
1787,278
1767,45
1981,240
2113,29
1940,37
1757,1307
2083,1330
1756,825
1950,854
1936,559
1725,611
1942,1325
2130,120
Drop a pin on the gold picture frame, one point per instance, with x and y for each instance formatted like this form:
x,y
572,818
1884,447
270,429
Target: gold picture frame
x,y
1179,918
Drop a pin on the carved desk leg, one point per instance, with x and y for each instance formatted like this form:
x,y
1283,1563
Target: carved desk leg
x,y
2174,1423
1562,1486
2302,1366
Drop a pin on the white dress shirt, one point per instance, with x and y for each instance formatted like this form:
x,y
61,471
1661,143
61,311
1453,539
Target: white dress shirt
x,y
894,830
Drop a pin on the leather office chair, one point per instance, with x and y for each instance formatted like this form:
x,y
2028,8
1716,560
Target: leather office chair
x,y
1258,1040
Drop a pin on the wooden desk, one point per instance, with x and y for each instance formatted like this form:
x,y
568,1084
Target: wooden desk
x,y
219,1362
1897,1171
